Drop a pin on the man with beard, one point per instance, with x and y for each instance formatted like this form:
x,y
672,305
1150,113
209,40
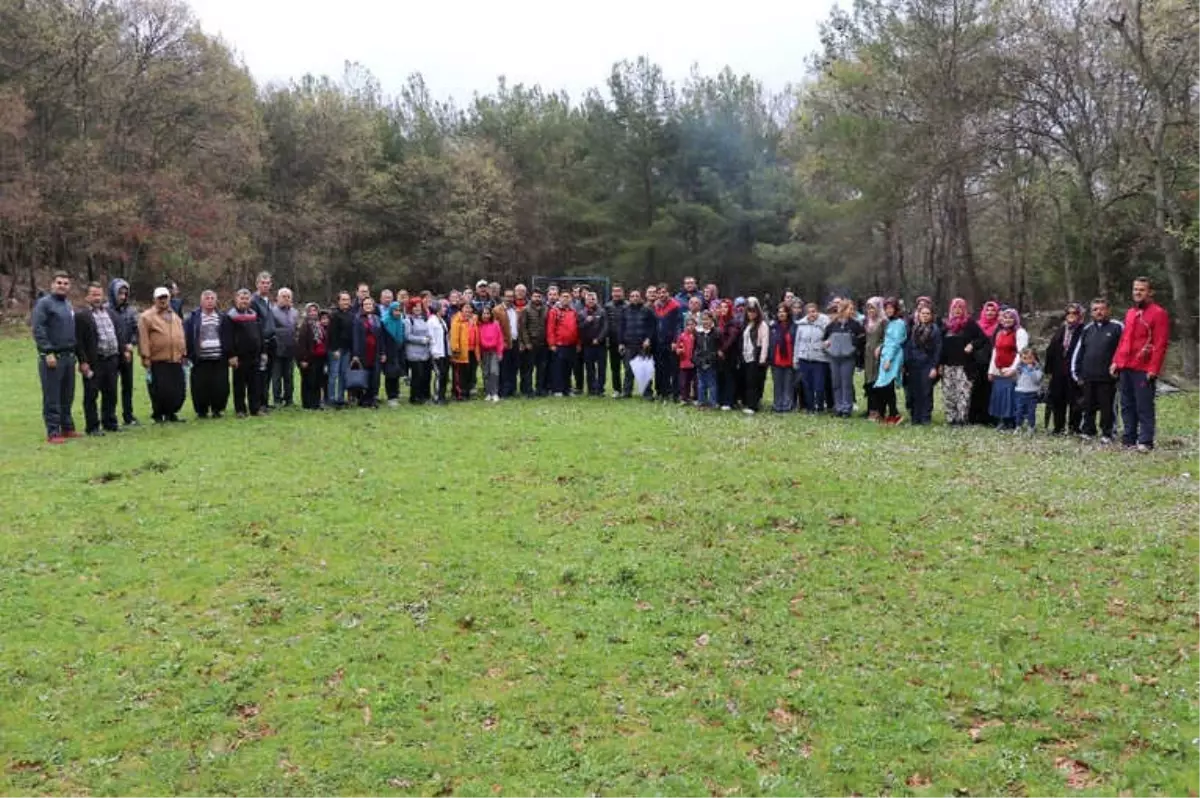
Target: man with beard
x,y
636,336
53,325
535,356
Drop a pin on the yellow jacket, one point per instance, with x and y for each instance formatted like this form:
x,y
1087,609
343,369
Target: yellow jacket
x,y
160,337
464,339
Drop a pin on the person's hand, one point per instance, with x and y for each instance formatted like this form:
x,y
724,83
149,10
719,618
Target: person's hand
x,y
304,364
51,361
933,374
991,378
128,354
355,360
621,350
969,348
825,344
233,362
878,351
383,358
85,370
145,362
1112,370
720,355
579,347
646,344
887,364
554,349
337,354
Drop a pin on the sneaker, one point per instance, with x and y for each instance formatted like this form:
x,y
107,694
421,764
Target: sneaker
x,y
726,407
1144,448
133,422
748,411
1085,437
557,395
241,415
616,394
1105,441
393,402
55,439
95,433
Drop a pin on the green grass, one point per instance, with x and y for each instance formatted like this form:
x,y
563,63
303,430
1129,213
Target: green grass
x,y
589,596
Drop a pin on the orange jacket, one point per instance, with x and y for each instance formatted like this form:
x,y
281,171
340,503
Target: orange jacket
x,y
464,339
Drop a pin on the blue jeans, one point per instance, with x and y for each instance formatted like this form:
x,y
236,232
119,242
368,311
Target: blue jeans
x,y
842,371
58,393
706,390
1027,409
812,378
782,379
1137,408
336,392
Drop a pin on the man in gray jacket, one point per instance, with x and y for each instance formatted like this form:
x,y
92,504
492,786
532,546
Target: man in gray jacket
x,y
283,369
54,333
261,302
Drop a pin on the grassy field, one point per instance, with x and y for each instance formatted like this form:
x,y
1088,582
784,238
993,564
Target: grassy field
x,y
589,596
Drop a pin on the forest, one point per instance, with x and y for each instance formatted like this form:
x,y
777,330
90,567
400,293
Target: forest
x,y
1037,151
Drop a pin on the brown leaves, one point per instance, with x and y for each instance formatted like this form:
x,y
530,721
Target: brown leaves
x,y
977,728
1079,775
702,640
643,606
246,710
336,679
918,780
400,784
782,715
366,713
490,723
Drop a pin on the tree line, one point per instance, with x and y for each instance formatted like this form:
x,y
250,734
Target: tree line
x,y
1031,150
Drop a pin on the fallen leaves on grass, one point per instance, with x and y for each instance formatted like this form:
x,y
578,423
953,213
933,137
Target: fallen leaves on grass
x,y
702,640
977,727
336,678
366,714
918,780
25,766
400,784
1079,775
782,715
643,606
247,710
490,723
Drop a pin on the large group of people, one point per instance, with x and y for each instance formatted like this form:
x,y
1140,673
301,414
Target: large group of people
x,y
706,350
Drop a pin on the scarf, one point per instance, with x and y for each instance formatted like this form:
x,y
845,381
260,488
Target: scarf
x,y
1069,330
956,324
923,336
880,317
393,325
988,327
314,325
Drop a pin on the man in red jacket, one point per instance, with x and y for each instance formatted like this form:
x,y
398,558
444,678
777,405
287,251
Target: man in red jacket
x,y
562,337
1138,361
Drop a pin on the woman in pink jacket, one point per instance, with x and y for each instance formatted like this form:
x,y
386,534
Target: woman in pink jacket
x,y
491,352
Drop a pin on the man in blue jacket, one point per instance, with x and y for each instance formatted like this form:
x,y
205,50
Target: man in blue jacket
x,y
54,334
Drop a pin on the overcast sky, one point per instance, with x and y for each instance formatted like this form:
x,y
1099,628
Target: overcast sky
x,y
462,47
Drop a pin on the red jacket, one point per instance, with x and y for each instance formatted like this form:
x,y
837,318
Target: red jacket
x,y
1143,344
562,327
685,347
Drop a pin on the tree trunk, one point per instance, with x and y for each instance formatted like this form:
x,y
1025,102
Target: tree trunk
x,y
1185,320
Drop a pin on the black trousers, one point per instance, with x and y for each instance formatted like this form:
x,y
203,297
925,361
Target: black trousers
x,y
419,372
312,384
102,386
615,361
125,377
264,382
577,368
1099,396
509,367
391,385
535,371
441,371
247,395
1065,404
166,389
666,374
756,380
593,365
210,387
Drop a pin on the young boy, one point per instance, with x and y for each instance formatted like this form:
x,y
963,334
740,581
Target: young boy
x,y
704,356
1029,382
685,345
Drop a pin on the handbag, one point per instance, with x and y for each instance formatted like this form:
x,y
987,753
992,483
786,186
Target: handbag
x,y
356,378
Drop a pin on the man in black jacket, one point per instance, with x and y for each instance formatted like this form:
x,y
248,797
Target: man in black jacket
x,y
593,334
247,350
261,303
613,310
1090,369
636,335
209,335
101,345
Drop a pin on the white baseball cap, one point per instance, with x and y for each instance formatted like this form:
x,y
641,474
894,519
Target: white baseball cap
x,y
161,291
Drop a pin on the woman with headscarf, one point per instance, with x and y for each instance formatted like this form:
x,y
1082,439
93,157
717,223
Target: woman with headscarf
x,y
1064,404
981,388
755,345
891,361
961,337
312,349
1007,342
729,355
392,321
875,324
367,352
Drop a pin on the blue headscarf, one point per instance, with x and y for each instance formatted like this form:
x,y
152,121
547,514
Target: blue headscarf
x,y
393,325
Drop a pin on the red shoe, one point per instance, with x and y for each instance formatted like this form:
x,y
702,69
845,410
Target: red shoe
x,y
73,434
893,420
55,439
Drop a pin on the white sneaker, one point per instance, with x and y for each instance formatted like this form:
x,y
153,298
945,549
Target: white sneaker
x,y
748,411
558,396
1105,441
726,407
393,402
616,395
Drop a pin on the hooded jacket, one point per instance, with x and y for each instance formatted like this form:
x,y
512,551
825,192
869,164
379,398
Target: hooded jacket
x,y
126,312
